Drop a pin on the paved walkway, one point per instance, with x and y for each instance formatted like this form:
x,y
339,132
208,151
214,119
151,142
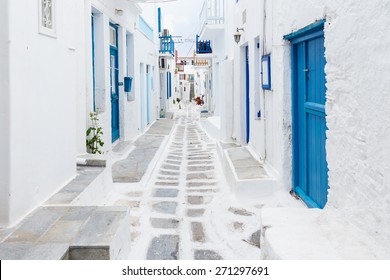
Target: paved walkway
x,y
186,210
134,167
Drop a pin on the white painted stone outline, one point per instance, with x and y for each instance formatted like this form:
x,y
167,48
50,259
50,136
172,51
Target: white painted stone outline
x,y
51,13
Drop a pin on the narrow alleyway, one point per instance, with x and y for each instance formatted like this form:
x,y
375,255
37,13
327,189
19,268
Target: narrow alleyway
x,y
186,211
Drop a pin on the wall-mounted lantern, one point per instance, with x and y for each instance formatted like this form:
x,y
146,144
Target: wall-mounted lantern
x,y
237,35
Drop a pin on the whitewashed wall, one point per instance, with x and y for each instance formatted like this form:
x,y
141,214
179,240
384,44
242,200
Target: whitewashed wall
x,y
42,87
4,115
140,50
357,71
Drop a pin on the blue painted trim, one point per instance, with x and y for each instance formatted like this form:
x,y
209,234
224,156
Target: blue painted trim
x,y
93,63
306,30
247,95
159,19
145,28
266,84
115,134
306,199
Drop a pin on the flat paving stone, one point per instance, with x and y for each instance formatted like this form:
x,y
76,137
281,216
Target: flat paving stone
x,y
174,157
238,226
169,173
200,162
198,234
134,194
206,255
128,203
254,239
240,211
175,162
167,178
195,200
166,192
62,232
14,251
195,212
121,146
164,247
36,225
202,190
133,168
200,176
200,168
161,127
251,172
200,184
165,207
168,184
47,251
164,223
170,167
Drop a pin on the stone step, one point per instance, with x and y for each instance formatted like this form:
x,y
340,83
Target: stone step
x,y
105,236
247,176
68,195
71,232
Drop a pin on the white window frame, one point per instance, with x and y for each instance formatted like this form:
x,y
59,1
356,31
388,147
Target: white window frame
x,y
51,32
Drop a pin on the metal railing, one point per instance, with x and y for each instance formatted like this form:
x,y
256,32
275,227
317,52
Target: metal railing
x,y
167,45
212,13
203,46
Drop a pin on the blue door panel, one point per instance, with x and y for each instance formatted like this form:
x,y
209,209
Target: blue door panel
x,y
247,94
114,86
309,119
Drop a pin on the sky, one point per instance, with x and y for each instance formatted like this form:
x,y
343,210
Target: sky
x,y
181,17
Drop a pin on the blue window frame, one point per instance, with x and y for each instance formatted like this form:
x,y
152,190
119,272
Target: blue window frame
x,y
266,72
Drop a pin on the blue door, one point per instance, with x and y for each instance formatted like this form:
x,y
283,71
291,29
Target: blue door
x,y
114,82
309,122
247,110
93,63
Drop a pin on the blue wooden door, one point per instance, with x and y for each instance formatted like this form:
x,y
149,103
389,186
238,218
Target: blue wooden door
x,y
114,82
309,122
247,90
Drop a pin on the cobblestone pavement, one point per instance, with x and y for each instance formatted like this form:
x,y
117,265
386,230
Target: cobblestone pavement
x,y
186,210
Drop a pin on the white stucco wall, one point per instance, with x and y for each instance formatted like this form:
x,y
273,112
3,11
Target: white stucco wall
x,y
134,49
4,115
357,71
146,54
42,105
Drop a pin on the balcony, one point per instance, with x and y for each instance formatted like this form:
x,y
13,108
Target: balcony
x,y
212,18
203,47
167,46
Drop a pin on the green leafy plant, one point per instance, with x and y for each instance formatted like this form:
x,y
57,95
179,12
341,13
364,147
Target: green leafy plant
x,y
94,134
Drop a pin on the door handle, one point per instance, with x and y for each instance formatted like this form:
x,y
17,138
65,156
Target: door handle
x,y
306,70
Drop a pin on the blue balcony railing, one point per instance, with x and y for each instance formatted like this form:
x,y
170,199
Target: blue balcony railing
x,y
203,46
167,45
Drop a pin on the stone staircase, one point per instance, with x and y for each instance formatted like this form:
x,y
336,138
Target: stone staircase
x,y
67,228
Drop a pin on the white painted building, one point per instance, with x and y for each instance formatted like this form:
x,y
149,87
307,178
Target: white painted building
x,y
59,62
320,122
